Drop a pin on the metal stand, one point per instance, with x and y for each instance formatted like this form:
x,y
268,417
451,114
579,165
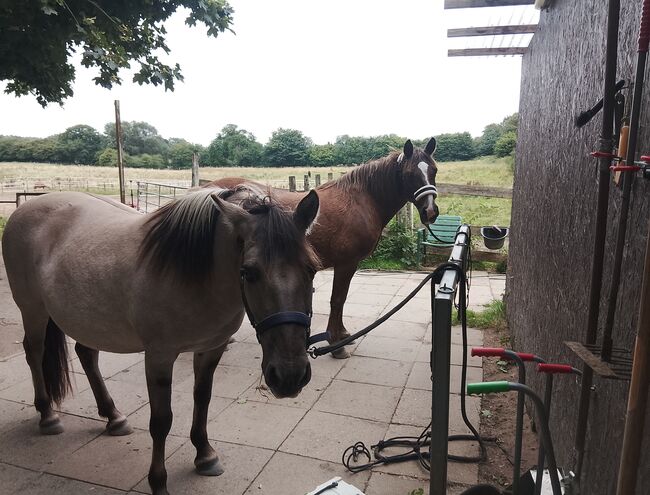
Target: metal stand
x,y
442,305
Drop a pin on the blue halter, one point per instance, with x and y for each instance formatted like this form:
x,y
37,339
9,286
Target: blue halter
x,y
282,318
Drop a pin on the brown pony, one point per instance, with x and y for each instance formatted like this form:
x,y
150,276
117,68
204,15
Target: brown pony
x,y
355,209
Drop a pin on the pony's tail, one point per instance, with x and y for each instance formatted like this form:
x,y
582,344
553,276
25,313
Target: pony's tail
x,y
55,363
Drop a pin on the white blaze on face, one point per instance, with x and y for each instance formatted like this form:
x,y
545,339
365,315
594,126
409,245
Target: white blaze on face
x,y
424,168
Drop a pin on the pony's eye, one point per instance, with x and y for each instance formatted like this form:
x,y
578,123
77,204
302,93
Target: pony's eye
x,y
250,273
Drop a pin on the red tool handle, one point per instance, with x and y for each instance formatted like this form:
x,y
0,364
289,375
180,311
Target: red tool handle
x,y
645,158
603,154
644,32
554,368
488,351
625,168
500,352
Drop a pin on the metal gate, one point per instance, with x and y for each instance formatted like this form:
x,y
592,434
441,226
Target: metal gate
x,y
152,195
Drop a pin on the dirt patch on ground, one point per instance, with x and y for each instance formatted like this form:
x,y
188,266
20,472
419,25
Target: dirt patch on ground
x,y
498,421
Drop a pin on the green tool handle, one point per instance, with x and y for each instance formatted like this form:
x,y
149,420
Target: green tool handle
x,y
488,387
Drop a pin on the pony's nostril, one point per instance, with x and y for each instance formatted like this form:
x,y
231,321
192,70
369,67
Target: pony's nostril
x,y
272,377
306,377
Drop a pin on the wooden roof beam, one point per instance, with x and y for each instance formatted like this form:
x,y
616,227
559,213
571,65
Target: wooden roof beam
x,y
469,4
491,30
485,52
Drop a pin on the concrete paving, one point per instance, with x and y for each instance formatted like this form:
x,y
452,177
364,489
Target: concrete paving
x,y
267,446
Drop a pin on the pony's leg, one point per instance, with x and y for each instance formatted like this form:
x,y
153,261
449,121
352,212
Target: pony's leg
x,y
117,424
159,370
36,326
206,461
342,277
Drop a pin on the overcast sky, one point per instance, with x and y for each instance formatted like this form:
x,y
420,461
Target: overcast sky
x,y
325,67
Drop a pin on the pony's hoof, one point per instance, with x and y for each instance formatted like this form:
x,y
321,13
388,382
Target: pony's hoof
x,y
52,426
119,427
212,467
341,353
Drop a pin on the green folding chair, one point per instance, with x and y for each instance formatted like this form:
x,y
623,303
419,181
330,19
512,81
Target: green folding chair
x,y
444,229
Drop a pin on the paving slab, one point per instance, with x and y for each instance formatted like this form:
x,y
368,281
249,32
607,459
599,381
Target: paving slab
x,y
359,400
415,311
13,371
420,377
118,462
400,330
370,311
325,436
424,355
254,424
229,381
15,480
241,465
305,400
287,474
389,348
329,367
414,408
111,363
13,414
474,336
243,354
128,398
390,484
375,371
182,408
24,446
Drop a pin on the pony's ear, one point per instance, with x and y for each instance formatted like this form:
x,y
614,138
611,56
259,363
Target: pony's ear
x,y
408,149
306,211
235,214
431,146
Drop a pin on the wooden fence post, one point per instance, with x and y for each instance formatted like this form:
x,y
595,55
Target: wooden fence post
x,y
120,158
306,183
292,183
195,169
317,180
409,216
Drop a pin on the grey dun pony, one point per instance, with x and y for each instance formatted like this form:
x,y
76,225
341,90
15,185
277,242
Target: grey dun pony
x,y
169,282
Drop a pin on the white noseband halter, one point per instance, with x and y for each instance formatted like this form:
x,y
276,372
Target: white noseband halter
x,y
427,190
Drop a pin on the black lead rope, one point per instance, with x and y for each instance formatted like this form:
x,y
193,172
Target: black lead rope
x,y
435,236
418,446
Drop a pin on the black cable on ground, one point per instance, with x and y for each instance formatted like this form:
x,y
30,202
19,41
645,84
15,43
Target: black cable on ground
x,y
417,447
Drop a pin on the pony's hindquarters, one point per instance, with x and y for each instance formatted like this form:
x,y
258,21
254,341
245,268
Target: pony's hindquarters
x,y
44,342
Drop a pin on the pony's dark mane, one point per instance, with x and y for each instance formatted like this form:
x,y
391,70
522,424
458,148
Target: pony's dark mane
x,y
378,176
381,177
181,236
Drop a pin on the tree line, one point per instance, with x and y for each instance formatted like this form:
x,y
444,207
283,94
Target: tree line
x,y
144,147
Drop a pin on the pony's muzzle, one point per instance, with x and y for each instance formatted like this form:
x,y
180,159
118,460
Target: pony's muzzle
x,y
429,213
287,379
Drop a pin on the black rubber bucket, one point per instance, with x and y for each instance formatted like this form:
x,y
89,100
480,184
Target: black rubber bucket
x,y
494,237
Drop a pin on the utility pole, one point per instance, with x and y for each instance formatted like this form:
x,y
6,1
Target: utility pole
x,y
195,169
120,154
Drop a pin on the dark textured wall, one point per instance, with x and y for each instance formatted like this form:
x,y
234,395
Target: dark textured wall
x,y
553,221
